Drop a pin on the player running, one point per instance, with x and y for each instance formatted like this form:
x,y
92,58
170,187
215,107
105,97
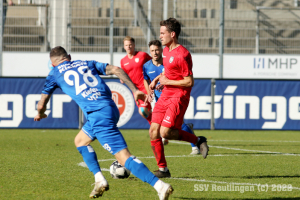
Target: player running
x,y
154,68
132,64
170,108
81,81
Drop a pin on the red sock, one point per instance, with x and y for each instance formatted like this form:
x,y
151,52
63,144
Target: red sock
x,y
158,150
149,118
186,136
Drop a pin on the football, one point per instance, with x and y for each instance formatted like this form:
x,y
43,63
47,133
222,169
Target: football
x,y
117,171
165,141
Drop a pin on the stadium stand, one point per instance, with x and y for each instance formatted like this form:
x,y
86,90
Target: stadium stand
x,y
278,29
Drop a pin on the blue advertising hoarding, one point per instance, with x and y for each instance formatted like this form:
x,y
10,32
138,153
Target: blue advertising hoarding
x,y
18,101
257,105
239,104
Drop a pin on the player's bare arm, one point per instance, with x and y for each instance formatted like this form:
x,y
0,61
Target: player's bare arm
x,y
113,70
41,107
154,82
187,81
146,84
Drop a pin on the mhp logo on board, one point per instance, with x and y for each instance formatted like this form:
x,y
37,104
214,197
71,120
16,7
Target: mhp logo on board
x,y
18,105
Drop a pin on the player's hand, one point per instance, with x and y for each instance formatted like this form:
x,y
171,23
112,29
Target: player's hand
x,y
149,98
139,95
163,80
38,117
121,81
159,87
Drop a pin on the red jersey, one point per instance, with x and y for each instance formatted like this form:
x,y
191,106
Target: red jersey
x,y
134,68
178,64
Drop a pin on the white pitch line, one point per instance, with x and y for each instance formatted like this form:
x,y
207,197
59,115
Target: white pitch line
x,y
200,180
238,149
82,164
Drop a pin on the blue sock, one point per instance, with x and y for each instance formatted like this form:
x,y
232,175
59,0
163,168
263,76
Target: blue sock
x,y
90,158
184,127
140,170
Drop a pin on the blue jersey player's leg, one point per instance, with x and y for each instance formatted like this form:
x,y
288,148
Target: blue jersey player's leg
x,y
104,123
82,141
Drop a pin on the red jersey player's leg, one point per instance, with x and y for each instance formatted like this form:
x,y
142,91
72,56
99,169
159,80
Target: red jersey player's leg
x,y
173,119
156,141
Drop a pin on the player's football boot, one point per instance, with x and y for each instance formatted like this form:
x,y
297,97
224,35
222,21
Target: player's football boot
x,y
162,174
202,145
195,151
99,189
165,191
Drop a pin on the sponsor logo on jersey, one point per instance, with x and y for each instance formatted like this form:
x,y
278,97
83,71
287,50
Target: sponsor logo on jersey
x,y
126,64
171,59
137,60
123,98
152,72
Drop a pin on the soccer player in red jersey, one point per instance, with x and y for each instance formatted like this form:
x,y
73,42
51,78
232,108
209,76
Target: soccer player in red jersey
x,y
132,64
169,110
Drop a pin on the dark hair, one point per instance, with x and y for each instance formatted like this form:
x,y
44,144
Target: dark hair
x,y
58,51
128,38
172,25
155,43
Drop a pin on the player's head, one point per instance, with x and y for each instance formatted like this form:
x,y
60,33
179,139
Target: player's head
x,y
169,31
58,55
155,49
129,45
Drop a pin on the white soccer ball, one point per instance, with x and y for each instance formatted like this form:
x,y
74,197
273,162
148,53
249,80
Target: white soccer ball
x,y
165,141
117,171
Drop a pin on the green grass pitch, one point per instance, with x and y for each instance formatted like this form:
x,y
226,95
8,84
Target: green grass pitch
x,y
44,164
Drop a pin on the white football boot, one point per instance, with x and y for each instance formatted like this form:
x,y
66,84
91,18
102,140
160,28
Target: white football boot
x,y
165,191
99,189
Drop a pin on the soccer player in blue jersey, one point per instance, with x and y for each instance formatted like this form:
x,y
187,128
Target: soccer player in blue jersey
x,y
81,81
154,68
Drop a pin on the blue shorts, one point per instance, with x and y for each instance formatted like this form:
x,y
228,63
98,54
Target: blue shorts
x,y
102,125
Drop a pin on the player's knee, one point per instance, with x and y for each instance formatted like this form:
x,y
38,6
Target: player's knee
x,y
77,141
165,132
122,156
82,140
154,133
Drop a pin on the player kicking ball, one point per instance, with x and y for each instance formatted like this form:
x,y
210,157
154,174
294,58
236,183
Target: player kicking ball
x,y
81,81
169,110
151,70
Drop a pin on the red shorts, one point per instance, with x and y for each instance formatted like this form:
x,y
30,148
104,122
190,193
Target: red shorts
x,y
142,105
169,112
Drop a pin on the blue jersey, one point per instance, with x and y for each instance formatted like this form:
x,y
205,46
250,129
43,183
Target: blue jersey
x,y
150,72
81,81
